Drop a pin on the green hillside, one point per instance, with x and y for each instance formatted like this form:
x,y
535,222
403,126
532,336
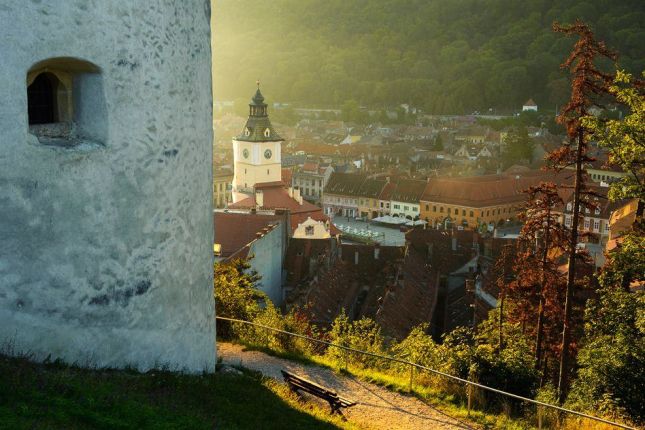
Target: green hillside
x,y
446,56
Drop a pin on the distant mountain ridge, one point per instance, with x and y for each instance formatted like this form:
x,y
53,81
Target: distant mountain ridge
x,y
445,56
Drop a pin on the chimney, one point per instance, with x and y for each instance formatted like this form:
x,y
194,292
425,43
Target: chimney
x,y
296,195
356,257
291,192
259,198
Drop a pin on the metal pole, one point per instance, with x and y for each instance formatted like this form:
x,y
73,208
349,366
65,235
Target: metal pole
x,y
411,378
469,394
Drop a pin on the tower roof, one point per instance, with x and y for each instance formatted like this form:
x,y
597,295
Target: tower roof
x,y
258,127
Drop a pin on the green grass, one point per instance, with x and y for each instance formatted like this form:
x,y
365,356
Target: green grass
x,y
55,396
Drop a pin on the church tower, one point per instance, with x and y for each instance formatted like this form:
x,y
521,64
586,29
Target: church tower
x,y
256,151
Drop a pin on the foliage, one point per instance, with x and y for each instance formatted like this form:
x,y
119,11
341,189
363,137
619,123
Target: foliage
x,y
451,57
518,147
624,138
612,361
364,334
510,369
236,295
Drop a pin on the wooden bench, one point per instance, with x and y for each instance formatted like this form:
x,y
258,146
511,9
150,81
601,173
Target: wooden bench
x,y
335,401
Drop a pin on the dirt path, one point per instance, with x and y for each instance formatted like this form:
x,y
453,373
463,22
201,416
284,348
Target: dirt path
x,y
377,408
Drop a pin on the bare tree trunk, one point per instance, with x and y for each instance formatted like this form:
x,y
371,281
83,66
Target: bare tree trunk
x,y
573,242
540,321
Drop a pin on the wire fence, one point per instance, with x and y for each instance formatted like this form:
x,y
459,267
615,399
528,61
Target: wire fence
x,y
469,384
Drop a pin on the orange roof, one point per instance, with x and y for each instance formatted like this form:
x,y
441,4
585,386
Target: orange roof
x,y
482,191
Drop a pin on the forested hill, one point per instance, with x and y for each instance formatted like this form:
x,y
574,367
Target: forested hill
x,y
447,56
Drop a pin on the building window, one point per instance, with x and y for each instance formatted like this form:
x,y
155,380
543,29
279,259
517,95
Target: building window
x,y
427,208
472,214
309,230
406,208
267,171
66,102
567,220
596,225
396,207
434,209
569,206
463,212
606,227
587,224
456,211
441,209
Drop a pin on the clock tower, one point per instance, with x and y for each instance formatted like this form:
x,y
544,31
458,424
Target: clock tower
x,y
256,151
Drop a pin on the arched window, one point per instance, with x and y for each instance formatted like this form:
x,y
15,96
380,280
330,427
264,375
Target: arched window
x,y
65,102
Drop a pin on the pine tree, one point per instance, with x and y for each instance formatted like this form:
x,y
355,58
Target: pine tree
x,y
588,84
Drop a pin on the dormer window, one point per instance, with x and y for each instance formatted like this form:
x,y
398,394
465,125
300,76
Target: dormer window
x,y
65,102
267,132
247,131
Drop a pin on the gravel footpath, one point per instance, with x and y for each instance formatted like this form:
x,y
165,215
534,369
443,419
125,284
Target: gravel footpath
x,y
377,407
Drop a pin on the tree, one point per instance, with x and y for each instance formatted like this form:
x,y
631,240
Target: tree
x,y
236,293
518,147
542,236
588,82
612,361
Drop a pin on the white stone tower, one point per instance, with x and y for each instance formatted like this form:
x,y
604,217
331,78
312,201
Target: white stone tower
x,y
105,182
256,151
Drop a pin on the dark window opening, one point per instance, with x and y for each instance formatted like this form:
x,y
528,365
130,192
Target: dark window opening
x,y
41,99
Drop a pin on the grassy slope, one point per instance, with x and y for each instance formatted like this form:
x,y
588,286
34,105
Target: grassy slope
x,y
53,396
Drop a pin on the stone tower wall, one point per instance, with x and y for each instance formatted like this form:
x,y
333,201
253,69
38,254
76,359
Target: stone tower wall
x,y
106,242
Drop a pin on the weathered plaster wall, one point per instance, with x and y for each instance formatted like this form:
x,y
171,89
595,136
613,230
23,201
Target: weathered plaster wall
x,y
268,257
106,250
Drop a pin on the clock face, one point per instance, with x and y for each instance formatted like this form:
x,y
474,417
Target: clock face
x,y
267,154
245,153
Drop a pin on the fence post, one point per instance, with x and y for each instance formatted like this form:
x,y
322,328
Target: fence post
x,y
539,416
469,395
345,354
411,378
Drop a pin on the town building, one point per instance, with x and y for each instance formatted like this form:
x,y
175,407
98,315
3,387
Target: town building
x,y
596,211
256,151
312,178
476,201
260,237
222,186
529,106
405,198
258,176
341,195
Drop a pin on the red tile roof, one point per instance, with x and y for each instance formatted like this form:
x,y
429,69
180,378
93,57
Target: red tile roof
x,y
489,190
275,196
234,231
